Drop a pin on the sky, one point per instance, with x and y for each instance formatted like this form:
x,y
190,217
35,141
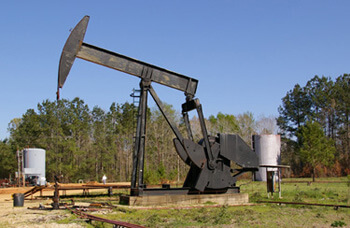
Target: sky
x,y
246,54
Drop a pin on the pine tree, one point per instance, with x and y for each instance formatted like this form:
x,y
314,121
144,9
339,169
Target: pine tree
x,y
295,110
315,148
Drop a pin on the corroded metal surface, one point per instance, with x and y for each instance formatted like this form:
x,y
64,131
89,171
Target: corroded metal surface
x,y
95,218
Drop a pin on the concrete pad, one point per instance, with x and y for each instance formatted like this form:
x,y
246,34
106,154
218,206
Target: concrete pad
x,y
221,199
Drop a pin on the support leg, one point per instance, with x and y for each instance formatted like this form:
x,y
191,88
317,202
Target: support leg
x,y
139,144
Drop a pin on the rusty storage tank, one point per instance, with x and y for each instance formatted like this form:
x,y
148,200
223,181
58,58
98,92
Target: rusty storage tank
x,y
34,165
268,149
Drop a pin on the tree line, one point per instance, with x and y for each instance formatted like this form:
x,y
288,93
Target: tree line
x,y
84,144
314,121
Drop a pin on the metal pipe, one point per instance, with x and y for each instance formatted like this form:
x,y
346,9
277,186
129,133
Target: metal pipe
x,y
309,204
91,217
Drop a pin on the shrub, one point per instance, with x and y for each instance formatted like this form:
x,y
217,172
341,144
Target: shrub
x,y
338,224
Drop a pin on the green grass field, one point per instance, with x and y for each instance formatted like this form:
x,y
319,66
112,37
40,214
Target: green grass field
x,y
257,215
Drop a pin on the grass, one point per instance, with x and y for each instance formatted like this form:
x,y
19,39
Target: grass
x,y
68,219
254,216
323,193
260,215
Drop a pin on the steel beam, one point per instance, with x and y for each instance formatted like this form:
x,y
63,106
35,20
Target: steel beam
x,y
135,67
75,48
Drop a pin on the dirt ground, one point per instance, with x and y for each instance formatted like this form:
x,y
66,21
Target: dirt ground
x,y
11,216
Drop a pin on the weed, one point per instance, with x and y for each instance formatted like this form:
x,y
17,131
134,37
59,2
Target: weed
x,y
319,215
255,196
209,203
223,216
99,224
67,220
203,216
124,210
298,197
338,224
330,194
154,219
315,193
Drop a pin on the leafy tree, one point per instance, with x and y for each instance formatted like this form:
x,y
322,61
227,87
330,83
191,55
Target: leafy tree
x,y
100,154
290,155
126,130
342,109
28,132
223,123
294,111
7,159
13,125
266,125
321,93
326,102
160,151
112,118
197,131
247,126
243,125
315,148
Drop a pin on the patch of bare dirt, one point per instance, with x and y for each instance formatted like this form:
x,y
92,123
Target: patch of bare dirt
x,y
11,216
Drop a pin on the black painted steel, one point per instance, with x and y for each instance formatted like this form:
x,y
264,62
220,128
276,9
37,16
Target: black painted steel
x,y
235,149
181,151
139,144
142,134
188,125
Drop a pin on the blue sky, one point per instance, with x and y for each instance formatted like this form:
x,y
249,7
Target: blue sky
x,y
245,54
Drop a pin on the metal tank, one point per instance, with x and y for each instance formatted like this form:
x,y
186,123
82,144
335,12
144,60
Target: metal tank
x,y
34,165
268,149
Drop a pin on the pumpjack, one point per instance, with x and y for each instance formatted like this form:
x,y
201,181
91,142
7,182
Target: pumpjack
x,y
210,160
